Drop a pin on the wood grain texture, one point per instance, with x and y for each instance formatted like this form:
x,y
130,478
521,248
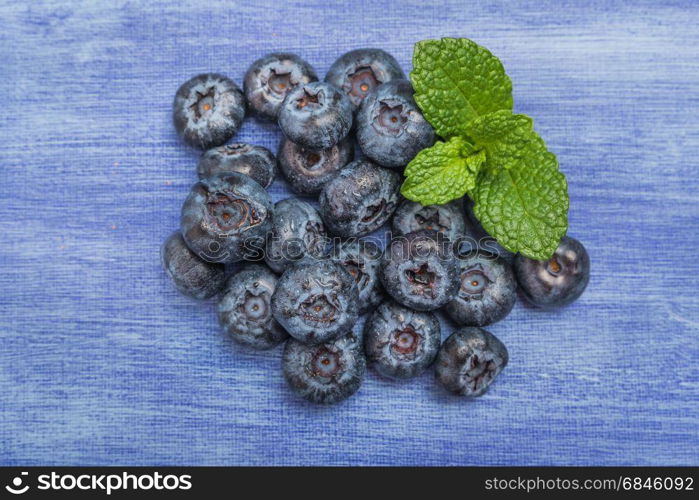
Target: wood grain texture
x,y
101,362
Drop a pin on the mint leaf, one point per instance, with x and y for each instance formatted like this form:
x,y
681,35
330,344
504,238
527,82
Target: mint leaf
x,y
443,172
505,137
456,81
521,198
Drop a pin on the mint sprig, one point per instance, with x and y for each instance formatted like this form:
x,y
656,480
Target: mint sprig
x,y
520,196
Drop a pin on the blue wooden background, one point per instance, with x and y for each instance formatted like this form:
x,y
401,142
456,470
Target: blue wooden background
x,y
101,362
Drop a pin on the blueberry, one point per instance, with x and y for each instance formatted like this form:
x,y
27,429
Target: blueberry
x,y
399,342
469,360
254,161
307,170
316,301
558,281
316,116
271,78
245,310
487,293
359,71
297,231
191,275
324,373
447,219
208,110
362,259
390,127
225,217
360,199
420,270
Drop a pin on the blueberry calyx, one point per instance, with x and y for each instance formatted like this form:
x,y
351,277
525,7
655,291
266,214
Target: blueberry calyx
x,y
326,363
310,100
389,118
423,278
473,282
320,308
362,81
405,342
279,82
228,212
204,103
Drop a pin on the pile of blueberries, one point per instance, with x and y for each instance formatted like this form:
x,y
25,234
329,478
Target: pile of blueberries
x,y
309,274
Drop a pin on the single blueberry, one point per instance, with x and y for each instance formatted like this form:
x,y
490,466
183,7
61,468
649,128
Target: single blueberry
x,y
316,116
558,281
208,110
297,231
190,274
420,270
469,360
307,170
399,342
254,161
362,259
245,310
316,301
324,373
448,219
226,217
360,199
271,78
360,71
390,127
487,293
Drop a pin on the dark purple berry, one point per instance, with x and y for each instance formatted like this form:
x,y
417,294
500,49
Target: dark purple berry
x,y
362,259
399,342
190,274
360,71
226,217
390,127
316,116
208,110
360,199
487,293
297,231
324,373
469,361
420,270
447,219
245,310
558,281
316,301
269,80
306,170
256,162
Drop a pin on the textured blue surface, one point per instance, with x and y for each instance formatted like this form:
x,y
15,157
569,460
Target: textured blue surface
x,y
101,362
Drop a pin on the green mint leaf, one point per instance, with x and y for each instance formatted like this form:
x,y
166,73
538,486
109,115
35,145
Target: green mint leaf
x,y
456,81
505,137
442,173
521,198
